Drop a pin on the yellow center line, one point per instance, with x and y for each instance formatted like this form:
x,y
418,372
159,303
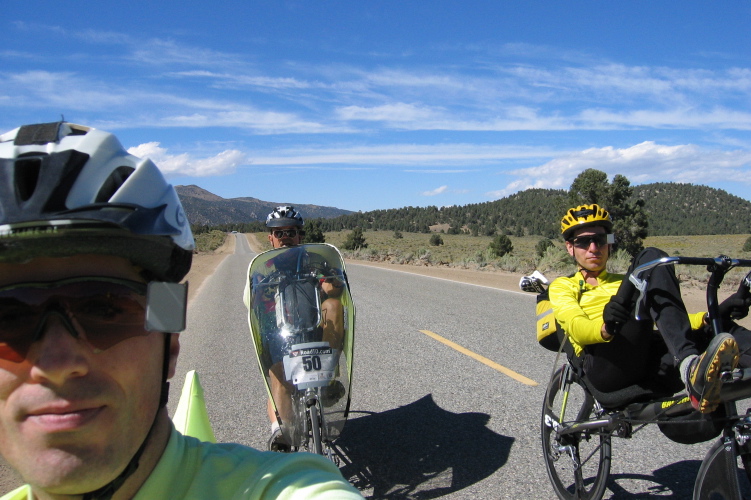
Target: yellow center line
x,y
481,359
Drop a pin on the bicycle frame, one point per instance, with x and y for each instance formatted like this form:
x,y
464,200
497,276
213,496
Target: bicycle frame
x,y
563,438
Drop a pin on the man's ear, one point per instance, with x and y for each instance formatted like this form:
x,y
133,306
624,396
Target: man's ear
x,y
174,351
570,248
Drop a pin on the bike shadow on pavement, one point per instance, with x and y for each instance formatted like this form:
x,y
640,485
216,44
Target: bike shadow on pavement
x,y
419,451
672,481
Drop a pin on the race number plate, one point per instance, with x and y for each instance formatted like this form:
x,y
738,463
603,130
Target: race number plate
x,y
311,365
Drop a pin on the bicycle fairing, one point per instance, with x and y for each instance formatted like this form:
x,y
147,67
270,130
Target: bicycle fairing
x,y
283,295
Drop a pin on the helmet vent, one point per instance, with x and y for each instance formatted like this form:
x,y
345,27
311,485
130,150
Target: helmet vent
x,y
26,177
113,183
41,133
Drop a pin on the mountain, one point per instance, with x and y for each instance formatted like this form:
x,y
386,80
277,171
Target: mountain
x,y
205,208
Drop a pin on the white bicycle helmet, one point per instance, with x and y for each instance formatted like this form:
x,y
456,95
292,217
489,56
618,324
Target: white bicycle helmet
x,y
283,217
66,189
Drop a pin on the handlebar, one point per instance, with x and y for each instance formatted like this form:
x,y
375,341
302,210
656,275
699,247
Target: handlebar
x,y
717,266
722,261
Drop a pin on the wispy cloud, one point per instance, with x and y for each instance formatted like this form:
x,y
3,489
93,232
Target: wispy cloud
x,y
435,191
58,90
397,112
427,155
151,51
495,96
235,80
261,122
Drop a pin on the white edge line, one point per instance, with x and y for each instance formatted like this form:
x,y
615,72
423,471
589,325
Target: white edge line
x,y
525,294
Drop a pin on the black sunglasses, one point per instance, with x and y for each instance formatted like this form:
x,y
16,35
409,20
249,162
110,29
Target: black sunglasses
x,y
584,242
103,311
290,233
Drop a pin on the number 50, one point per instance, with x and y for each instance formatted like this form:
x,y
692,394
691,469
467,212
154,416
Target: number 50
x,y
310,363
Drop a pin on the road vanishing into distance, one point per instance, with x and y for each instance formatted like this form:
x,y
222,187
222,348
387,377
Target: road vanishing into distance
x,y
441,401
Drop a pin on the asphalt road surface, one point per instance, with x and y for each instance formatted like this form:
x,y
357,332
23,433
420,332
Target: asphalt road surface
x,y
428,419
440,407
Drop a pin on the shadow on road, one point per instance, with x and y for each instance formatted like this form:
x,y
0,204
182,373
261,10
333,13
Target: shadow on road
x,y
419,451
672,481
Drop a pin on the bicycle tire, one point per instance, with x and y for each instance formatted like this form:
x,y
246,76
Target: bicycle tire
x,y
746,461
717,478
315,429
591,450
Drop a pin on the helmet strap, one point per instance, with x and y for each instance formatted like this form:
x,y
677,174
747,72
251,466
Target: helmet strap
x,y
164,396
586,273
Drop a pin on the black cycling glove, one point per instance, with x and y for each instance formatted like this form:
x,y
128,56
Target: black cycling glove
x,y
736,305
615,314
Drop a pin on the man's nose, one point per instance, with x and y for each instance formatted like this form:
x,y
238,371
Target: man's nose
x,y
57,352
55,316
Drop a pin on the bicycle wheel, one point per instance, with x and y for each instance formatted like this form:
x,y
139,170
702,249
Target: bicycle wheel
x,y
578,464
315,428
717,478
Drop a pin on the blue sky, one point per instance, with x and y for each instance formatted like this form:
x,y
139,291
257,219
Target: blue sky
x,y
385,104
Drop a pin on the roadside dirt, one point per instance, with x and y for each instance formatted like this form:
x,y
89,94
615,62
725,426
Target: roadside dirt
x,y
204,265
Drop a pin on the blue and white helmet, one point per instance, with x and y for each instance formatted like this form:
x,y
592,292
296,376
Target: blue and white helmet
x,y
66,189
283,217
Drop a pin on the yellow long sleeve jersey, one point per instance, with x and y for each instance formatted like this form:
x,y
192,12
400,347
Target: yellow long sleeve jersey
x,y
578,307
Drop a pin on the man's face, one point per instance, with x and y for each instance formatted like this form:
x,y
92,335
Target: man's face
x,y
282,236
588,254
71,418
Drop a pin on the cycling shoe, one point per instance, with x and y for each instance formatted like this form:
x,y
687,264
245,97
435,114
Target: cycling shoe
x,y
277,442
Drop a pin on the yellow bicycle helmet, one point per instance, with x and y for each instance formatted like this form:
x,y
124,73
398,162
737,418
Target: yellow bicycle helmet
x,y
584,216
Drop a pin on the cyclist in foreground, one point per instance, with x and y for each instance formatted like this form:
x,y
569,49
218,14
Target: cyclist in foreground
x,y
85,230
285,225
595,308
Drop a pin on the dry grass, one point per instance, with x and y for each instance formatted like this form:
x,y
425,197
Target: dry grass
x,y
208,242
704,246
470,252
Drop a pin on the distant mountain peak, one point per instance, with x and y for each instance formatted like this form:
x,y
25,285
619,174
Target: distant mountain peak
x,y
204,207
197,192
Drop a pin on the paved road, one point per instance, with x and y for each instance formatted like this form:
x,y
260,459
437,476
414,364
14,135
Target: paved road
x,y
428,421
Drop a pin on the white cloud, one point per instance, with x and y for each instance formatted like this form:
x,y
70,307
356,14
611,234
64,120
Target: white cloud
x,y
428,155
435,191
183,164
238,80
641,163
59,90
261,122
676,118
398,112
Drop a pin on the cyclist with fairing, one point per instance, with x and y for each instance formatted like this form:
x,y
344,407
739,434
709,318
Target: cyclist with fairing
x,y
596,309
285,225
85,230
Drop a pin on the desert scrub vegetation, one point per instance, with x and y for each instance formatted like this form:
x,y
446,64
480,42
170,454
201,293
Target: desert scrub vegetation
x,y
473,252
208,242
456,250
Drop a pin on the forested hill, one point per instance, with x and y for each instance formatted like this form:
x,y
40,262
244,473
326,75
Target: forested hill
x,y
672,209
683,209
527,212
